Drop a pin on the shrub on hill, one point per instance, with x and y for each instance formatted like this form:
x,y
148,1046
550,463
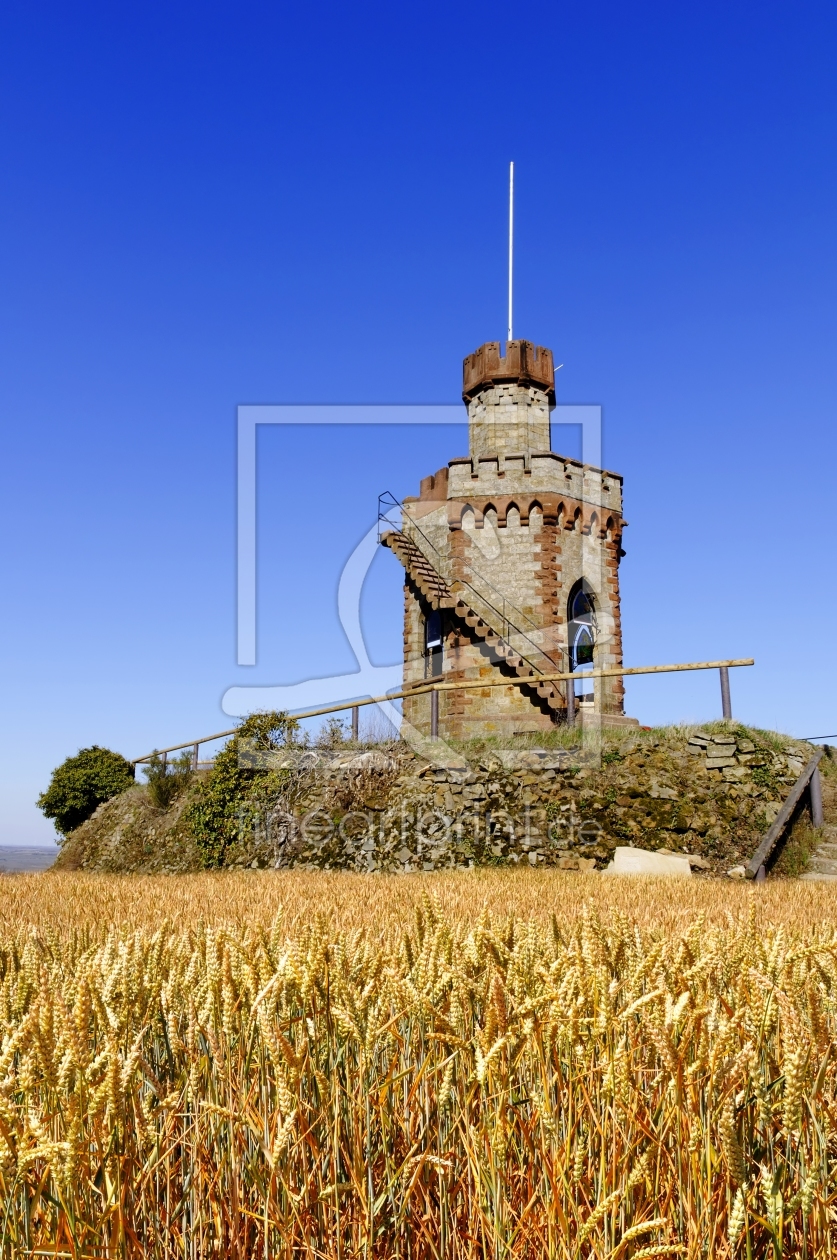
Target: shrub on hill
x,y
166,780
243,783
81,783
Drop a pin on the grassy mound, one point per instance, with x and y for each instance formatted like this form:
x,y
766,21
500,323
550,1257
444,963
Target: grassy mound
x,y
131,833
555,801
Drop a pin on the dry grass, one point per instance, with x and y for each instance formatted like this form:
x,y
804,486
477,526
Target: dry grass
x,y
504,1064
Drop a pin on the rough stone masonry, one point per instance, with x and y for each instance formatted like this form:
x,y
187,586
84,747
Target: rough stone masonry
x,y
388,809
511,558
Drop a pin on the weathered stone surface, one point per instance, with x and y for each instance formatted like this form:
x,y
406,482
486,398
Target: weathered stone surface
x,y
128,833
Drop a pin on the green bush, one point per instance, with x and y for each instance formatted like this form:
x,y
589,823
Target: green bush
x,y
241,784
166,780
81,783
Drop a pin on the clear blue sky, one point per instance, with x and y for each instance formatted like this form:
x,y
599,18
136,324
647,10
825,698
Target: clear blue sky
x,y
204,205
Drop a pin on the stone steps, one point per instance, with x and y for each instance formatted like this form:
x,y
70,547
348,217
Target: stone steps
x,y
436,591
822,867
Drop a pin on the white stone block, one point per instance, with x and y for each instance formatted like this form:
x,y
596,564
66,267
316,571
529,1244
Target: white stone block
x,y
628,861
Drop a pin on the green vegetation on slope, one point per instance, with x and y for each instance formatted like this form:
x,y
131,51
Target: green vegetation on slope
x,y
272,800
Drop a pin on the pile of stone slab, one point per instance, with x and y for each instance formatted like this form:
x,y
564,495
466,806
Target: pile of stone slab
x,y
735,757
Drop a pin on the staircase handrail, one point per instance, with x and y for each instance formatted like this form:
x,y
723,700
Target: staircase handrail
x,y
389,498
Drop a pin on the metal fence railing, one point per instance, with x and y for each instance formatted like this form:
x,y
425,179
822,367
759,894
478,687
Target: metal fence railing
x,y
520,631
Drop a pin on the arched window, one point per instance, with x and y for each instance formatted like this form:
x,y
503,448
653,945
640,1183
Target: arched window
x,y
582,627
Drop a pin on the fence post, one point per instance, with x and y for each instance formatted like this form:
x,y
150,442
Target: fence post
x,y
570,702
355,723
815,795
195,757
165,760
434,714
725,700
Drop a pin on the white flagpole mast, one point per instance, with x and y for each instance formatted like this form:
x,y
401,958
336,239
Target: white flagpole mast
x,y
511,243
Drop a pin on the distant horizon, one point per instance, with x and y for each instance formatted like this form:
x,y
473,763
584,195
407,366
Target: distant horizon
x,y
23,848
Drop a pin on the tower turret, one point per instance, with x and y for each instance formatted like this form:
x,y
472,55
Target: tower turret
x,y
508,398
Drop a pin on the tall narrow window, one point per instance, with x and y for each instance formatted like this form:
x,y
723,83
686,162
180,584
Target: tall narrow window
x,y
433,641
581,617
433,629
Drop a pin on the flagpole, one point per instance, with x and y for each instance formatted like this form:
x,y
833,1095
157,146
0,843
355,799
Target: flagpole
x,y
511,243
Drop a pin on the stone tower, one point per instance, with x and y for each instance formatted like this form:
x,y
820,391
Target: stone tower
x,y
511,558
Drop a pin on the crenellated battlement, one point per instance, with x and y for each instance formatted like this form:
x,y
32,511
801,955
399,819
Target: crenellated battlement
x,y
524,364
533,472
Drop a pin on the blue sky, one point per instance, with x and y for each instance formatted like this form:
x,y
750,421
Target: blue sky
x,y
208,205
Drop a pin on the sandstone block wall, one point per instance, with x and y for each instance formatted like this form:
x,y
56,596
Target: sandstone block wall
x,y
512,528
507,419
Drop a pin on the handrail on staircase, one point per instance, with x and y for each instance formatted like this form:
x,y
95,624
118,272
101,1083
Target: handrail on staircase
x,y
389,498
390,501
809,780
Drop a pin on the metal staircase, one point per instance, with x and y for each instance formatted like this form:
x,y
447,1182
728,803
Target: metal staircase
x,y
482,612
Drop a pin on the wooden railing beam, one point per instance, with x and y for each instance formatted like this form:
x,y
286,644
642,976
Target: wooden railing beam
x,y
466,684
772,837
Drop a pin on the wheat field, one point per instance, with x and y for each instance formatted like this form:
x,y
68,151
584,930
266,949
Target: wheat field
x,y
474,1064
